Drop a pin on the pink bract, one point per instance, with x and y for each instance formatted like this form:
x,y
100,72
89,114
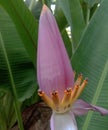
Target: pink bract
x,y
54,71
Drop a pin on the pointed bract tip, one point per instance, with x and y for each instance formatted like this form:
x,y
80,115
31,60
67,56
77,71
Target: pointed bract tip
x,y
44,9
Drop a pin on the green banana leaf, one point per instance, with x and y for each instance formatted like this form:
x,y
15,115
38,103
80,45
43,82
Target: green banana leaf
x,y
25,23
22,69
73,12
91,58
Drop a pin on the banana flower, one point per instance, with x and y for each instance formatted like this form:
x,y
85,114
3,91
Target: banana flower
x,y
56,77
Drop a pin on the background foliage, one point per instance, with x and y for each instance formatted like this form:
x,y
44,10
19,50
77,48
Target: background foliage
x,y
87,48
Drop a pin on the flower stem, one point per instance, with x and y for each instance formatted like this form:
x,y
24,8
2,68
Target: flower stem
x,y
16,102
